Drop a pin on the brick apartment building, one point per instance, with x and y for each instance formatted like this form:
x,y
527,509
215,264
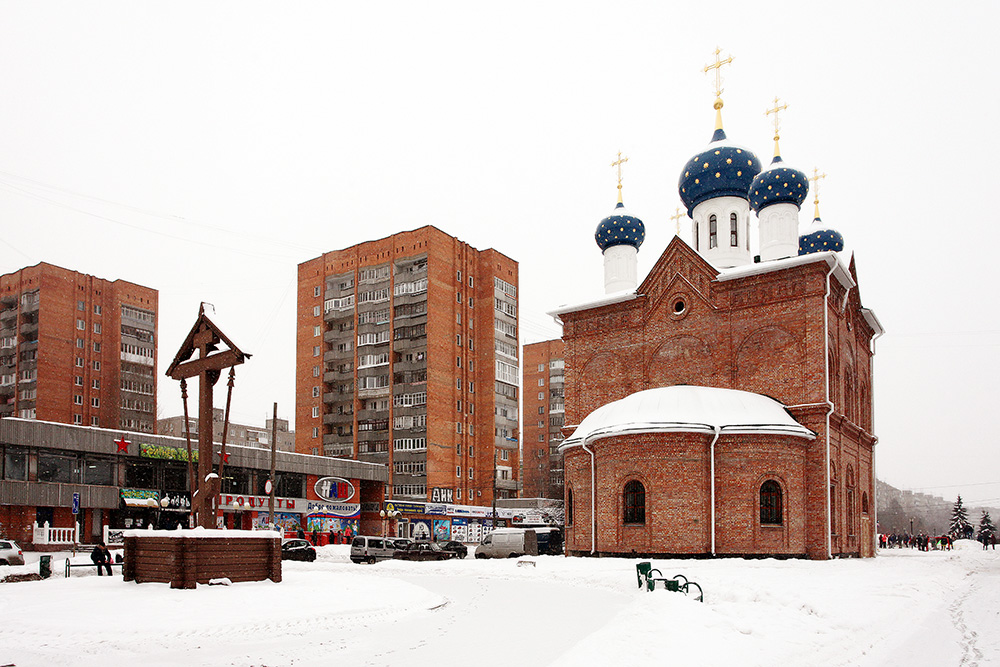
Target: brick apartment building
x,y
544,412
77,349
238,434
407,355
724,405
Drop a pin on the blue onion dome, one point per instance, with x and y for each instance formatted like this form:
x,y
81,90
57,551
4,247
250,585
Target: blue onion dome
x,y
820,238
620,228
723,170
778,184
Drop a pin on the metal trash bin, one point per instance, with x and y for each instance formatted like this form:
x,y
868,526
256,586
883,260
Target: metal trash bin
x,y
45,566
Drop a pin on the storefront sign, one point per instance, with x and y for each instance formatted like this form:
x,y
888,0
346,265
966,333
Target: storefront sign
x,y
139,497
333,509
229,501
405,508
168,453
436,509
442,495
334,488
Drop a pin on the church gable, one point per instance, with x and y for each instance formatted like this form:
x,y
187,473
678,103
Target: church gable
x,y
678,261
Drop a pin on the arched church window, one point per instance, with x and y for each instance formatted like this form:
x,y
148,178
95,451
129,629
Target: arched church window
x,y
569,507
864,503
734,236
696,235
713,231
770,503
849,500
746,235
635,503
833,498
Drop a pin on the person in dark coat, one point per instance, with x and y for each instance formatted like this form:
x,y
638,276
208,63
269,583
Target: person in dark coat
x,y
300,534
101,556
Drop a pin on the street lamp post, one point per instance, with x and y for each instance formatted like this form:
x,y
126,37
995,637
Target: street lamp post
x,y
158,506
386,518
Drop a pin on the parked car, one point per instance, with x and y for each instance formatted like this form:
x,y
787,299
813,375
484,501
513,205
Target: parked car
x,y
367,549
400,542
10,553
298,550
423,551
508,543
457,548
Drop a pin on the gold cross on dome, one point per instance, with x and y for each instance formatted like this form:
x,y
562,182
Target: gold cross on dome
x,y
677,217
618,163
774,110
717,66
815,178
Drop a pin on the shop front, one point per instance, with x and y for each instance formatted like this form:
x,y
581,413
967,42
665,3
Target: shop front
x,y
442,522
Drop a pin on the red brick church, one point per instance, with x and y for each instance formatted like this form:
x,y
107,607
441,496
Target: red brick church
x,y
724,405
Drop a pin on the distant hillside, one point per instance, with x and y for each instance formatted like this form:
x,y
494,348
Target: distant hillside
x,y
930,514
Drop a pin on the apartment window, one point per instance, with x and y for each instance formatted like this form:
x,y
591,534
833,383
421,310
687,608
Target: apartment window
x,y
315,431
458,276
471,474
458,471
458,362
470,281
78,380
315,350
541,423
504,455
97,347
80,305
78,419
472,387
458,340
315,392
96,365
97,327
470,302
458,449
316,290
95,421
458,493
541,367
315,371
79,343
96,384
541,382
81,325
471,365
97,309
458,406
541,397
458,427
77,399
316,330
458,297
79,362
315,311
315,411
95,402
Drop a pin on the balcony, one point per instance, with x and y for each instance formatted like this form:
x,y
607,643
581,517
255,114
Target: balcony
x,y
29,328
508,484
371,393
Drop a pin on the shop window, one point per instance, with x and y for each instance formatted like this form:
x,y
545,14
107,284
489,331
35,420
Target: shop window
x,y
98,471
58,468
140,476
15,465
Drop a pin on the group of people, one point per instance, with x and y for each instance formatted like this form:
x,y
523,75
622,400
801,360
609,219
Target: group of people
x,y
335,536
919,541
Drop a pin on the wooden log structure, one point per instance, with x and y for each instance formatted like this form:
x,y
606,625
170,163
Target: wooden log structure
x,y
185,558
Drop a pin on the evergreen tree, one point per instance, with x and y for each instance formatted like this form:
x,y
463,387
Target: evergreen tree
x,y
960,528
986,529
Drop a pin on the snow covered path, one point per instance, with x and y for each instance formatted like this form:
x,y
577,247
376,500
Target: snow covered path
x,y
908,608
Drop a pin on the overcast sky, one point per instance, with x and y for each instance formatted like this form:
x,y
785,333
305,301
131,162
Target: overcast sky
x,y
205,149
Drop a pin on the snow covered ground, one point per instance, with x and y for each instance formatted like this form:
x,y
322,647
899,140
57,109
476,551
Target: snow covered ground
x,y
903,608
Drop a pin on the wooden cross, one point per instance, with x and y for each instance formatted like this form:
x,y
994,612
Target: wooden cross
x,y
618,163
774,110
677,217
717,66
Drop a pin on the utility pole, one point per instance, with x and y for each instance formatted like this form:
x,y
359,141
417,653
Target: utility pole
x,y
494,487
270,479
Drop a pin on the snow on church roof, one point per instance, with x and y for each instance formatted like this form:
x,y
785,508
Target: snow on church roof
x,y
687,408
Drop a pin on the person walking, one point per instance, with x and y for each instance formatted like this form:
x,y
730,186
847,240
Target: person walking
x,y
101,556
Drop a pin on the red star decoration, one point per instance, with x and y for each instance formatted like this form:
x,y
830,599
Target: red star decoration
x,y
122,445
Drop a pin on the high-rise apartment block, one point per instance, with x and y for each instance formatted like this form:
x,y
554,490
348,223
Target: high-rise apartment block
x,y
407,354
544,416
77,349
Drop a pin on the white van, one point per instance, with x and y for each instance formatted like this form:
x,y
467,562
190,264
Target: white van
x,y
366,549
508,543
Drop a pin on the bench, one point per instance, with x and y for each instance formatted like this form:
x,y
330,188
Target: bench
x,y
70,566
678,583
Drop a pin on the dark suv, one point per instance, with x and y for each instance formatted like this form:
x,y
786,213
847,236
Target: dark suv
x,y
457,548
